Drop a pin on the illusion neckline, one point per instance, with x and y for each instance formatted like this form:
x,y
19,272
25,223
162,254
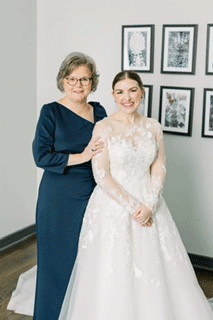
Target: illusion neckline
x,y
135,124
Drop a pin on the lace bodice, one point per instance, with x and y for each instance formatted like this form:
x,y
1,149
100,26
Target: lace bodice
x,y
133,156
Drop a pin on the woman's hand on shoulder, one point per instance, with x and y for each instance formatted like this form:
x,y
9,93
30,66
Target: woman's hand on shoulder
x,y
95,146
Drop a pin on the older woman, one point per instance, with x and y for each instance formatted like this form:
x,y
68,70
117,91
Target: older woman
x,y
63,148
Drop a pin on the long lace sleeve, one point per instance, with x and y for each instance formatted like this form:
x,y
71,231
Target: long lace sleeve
x,y
157,173
101,171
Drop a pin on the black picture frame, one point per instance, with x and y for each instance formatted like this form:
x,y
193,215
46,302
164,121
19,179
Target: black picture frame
x,y
145,108
176,110
137,53
207,119
179,47
209,50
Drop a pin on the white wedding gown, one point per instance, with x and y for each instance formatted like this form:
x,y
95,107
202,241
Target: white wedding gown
x,y
125,271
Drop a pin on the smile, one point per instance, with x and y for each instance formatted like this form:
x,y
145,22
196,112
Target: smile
x,y
128,105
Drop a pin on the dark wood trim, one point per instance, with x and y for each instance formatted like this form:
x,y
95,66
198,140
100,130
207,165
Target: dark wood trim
x,y
15,238
201,262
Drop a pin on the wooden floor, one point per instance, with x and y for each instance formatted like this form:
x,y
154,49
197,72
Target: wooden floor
x,y
23,257
12,264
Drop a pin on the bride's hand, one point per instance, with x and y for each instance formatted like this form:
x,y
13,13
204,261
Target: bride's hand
x,y
143,216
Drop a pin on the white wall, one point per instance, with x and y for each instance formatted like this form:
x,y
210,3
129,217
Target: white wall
x,y
94,27
18,114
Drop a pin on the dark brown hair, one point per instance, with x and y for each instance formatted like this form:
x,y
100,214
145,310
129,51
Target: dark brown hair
x,y
127,75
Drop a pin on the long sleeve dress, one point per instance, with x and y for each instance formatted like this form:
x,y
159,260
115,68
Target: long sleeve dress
x,y
124,271
62,199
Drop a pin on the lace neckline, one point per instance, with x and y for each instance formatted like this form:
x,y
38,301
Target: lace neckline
x,y
136,124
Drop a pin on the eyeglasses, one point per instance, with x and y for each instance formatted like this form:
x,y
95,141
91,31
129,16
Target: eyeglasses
x,y
73,81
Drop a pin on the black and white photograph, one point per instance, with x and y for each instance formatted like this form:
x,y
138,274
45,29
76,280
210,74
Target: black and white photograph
x,y
207,123
179,44
176,109
145,108
209,50
137,48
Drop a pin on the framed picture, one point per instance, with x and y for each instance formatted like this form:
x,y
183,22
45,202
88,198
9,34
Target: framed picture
x,y
138,48
179,43
207,124
145,108
176,110
209,49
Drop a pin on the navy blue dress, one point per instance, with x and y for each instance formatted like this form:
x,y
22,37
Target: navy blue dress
x,y
63,196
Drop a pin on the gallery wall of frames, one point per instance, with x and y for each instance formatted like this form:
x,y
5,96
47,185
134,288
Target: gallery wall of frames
x,y
178,57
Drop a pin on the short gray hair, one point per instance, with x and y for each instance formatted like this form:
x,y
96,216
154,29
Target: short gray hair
x,y
72,61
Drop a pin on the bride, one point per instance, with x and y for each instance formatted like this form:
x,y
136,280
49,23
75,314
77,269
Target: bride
x,y
131,262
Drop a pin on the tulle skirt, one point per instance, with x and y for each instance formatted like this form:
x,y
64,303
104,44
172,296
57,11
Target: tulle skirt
x,y
124,271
